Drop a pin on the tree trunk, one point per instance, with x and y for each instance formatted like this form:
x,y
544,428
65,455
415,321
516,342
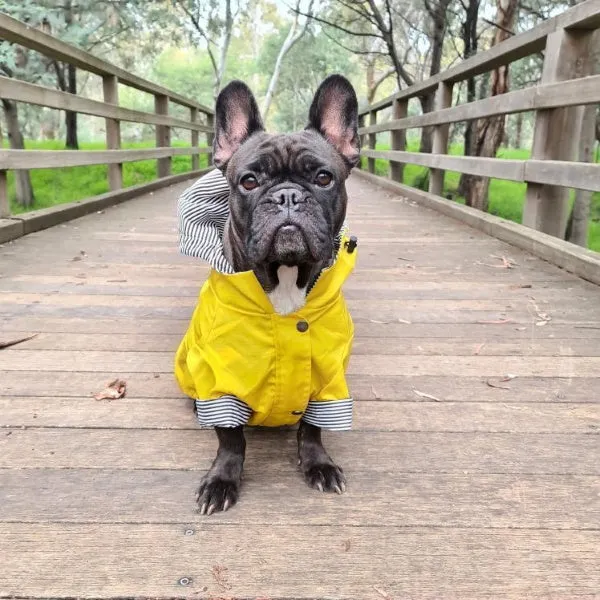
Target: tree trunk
x,y
71,117
224,49
491,131
470,40
519,130
292,37
23,186
438,12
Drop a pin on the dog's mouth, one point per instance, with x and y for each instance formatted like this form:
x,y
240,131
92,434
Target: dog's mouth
x,y
289,246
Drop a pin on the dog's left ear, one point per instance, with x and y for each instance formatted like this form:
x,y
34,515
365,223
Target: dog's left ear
x,y
236,118
334,114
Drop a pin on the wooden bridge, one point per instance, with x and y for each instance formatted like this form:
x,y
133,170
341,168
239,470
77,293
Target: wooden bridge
x,y
474,465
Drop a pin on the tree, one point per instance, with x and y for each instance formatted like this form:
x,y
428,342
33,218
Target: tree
x,y
213,23
386,21
490,131
296,31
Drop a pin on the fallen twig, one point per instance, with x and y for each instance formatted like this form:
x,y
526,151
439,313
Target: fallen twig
x,y
497,385
427,396
15,342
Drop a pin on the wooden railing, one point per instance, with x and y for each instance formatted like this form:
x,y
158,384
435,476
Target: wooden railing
x,y
14,31
566,86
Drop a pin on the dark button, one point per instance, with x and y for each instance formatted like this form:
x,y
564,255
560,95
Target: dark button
x,y
297,412
302,326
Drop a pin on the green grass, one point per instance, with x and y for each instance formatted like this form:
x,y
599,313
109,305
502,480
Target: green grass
x,y
58,186
506,198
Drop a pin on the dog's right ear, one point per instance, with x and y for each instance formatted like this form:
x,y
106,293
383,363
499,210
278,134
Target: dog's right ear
x,y
236,118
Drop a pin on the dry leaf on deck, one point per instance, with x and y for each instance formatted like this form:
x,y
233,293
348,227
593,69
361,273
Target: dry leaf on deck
x,y
17,341
428,396
113,391
497,385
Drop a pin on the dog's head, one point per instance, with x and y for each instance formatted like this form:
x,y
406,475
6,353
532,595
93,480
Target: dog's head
x,y
288,199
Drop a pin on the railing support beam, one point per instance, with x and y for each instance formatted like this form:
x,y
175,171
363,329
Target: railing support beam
x,y
443,99
557,130
194,119
110,86
163,135
210,136
399,111
4,203
372,140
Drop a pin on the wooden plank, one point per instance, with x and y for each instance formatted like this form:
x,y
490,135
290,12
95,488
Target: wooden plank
x,y
443,99
564,173
31,93
524,343
397,388
163,135
162,362
113,561
113,131
557,132
17,32
404,452
50,159
76,496
500,168
369,415
585,90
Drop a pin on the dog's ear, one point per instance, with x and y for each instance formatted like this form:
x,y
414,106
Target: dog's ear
x,y
334,114
236,118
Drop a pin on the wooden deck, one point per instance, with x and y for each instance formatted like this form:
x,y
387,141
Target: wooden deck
x,y
473,467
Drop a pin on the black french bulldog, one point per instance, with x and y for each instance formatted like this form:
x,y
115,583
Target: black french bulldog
x,y
287,207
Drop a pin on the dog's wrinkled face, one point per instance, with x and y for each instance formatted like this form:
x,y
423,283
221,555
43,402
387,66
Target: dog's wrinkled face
x,y
288,200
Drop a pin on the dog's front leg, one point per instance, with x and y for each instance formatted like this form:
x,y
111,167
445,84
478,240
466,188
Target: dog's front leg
x,y
318,467
220,487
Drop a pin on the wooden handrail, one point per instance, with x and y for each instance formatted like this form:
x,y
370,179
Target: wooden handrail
x,y
17,32
584,16
558,101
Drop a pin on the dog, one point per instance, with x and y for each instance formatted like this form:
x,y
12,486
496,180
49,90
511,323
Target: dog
x,y
271,336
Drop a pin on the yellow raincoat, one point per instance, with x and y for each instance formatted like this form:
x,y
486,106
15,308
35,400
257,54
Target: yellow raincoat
x,y
281,367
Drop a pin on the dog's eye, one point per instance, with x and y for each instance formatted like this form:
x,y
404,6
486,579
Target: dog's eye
x,y
323,178
249,182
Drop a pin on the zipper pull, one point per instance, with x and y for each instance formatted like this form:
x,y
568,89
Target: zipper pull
x,y
351,244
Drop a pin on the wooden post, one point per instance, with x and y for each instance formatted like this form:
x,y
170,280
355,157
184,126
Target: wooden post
x,y
372,140
361,137
194,119
443,99
110,86
557,131
163,135
399,111
210,121
4,203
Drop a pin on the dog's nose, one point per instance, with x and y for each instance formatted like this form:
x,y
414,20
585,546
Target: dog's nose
x,y
288,197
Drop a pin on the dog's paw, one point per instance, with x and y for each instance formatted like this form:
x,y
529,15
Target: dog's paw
x,y
325,477
216,494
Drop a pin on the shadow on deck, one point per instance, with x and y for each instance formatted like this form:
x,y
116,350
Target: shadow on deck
x,y
473,466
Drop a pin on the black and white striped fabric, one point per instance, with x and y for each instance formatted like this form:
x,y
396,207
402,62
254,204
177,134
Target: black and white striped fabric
x,y
202,212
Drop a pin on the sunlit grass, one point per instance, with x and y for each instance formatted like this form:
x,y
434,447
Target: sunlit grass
x,y
67,184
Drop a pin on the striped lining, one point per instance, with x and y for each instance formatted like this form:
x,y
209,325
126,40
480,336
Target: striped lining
x,y
226,411
202,211
335,415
